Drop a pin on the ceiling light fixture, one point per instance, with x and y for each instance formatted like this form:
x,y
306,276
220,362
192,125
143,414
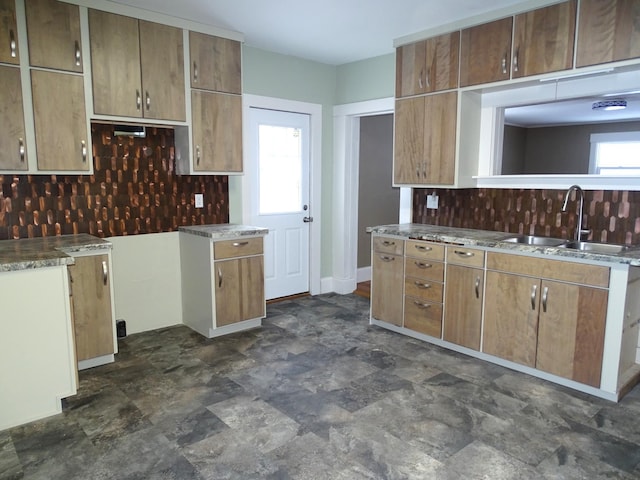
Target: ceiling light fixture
x,y
609,105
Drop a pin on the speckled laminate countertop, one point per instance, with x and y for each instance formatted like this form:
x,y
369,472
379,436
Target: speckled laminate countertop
x,y
224,230
32,253
489,239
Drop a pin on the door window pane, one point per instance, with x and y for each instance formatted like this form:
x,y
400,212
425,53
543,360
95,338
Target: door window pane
x,y
280,169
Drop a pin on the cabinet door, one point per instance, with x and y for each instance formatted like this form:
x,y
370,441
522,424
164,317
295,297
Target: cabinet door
x,y
440,138
485,52
608,31
543,40
9,52
91,292
411,69
571,331
463,306
162,60
511,317
53,30
115,64
443,62
217,131
60,121
408,145
239,290
386,288
215,63
13,151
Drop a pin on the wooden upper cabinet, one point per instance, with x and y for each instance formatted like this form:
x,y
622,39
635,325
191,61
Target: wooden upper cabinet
x,y
408,145
9,52
543,40
137,67
485,52
428,66
62,141
53,30
12,134
215,63
608,31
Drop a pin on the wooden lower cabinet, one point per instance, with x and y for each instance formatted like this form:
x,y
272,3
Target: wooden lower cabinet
x,y
463,300
386,287
91,305
424,317
239,289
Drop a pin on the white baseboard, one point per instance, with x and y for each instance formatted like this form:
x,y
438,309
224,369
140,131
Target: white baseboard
x,y
342,287
363,274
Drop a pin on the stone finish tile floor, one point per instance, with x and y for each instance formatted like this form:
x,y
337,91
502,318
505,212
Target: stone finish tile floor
x,y
318,393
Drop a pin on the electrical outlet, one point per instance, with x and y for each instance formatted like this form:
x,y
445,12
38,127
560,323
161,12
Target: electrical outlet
x,y
432,201
199,200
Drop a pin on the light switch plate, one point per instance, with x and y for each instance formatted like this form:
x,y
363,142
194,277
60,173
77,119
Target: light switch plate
x,y
199,200
432,201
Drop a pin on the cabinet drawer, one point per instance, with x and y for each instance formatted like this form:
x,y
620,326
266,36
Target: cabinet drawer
x,y
414,267
423,317
390,245
470,257
419,249
423,289
239,247
580,273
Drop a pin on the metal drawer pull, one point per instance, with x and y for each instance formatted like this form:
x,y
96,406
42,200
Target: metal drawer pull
x,y
219,278
545,294
240,244
422,248
463,254
477,287
195,72
422,285
423,265
12,44
385,258
83,146
421,305
105,272
534,290
78,56
387,243
21,150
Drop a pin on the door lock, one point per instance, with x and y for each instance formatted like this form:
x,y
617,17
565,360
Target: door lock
x,y
307,219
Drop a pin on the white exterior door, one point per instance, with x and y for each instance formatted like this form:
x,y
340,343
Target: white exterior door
x,y
278,168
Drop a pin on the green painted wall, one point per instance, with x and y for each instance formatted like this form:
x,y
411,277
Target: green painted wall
x,y
368,79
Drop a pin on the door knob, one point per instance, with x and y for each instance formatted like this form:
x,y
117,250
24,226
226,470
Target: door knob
x,y
307,219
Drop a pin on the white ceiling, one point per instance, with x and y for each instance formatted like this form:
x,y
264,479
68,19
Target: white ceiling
x,y
327,31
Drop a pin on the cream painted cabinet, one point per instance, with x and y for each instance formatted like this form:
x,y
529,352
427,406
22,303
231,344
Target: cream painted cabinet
x,y
9,48
53,30
425,140
608,31
215,63
13,155
137,68
93,316
387,279
547,314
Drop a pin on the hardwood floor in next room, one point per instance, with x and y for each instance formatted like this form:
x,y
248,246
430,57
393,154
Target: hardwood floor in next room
x,y
318,393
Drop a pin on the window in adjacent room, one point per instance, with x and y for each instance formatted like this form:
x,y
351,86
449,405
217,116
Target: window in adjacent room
x,y
616,153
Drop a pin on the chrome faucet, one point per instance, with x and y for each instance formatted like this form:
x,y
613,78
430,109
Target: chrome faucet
x,y
579,231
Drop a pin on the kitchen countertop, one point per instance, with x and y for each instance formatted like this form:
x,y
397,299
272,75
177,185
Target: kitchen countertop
x,y
29,253
490,239
224,230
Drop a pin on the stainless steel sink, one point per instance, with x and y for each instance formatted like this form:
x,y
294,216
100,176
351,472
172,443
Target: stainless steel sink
x,y
535,240
595,247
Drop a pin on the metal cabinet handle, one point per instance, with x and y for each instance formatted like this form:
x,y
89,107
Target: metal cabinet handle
x,y
385,258
195,72
239,244
138,100
21,150
545,294
105,272
422,265
463,253
534,291
421,305
197,154
147,100
426,78
423,248
504,64
515,60
219,278
422,285
387,243
83,148
12,44
418,172
78,55
477,287
420,81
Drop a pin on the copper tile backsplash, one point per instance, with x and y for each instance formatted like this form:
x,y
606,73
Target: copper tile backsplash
x,y
134,190
612,216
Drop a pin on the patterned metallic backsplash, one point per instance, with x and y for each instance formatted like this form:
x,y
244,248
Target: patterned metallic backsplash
x,y
612,216
134,190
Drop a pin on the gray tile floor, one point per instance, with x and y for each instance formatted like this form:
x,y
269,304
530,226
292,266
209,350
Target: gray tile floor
x,y
318,393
